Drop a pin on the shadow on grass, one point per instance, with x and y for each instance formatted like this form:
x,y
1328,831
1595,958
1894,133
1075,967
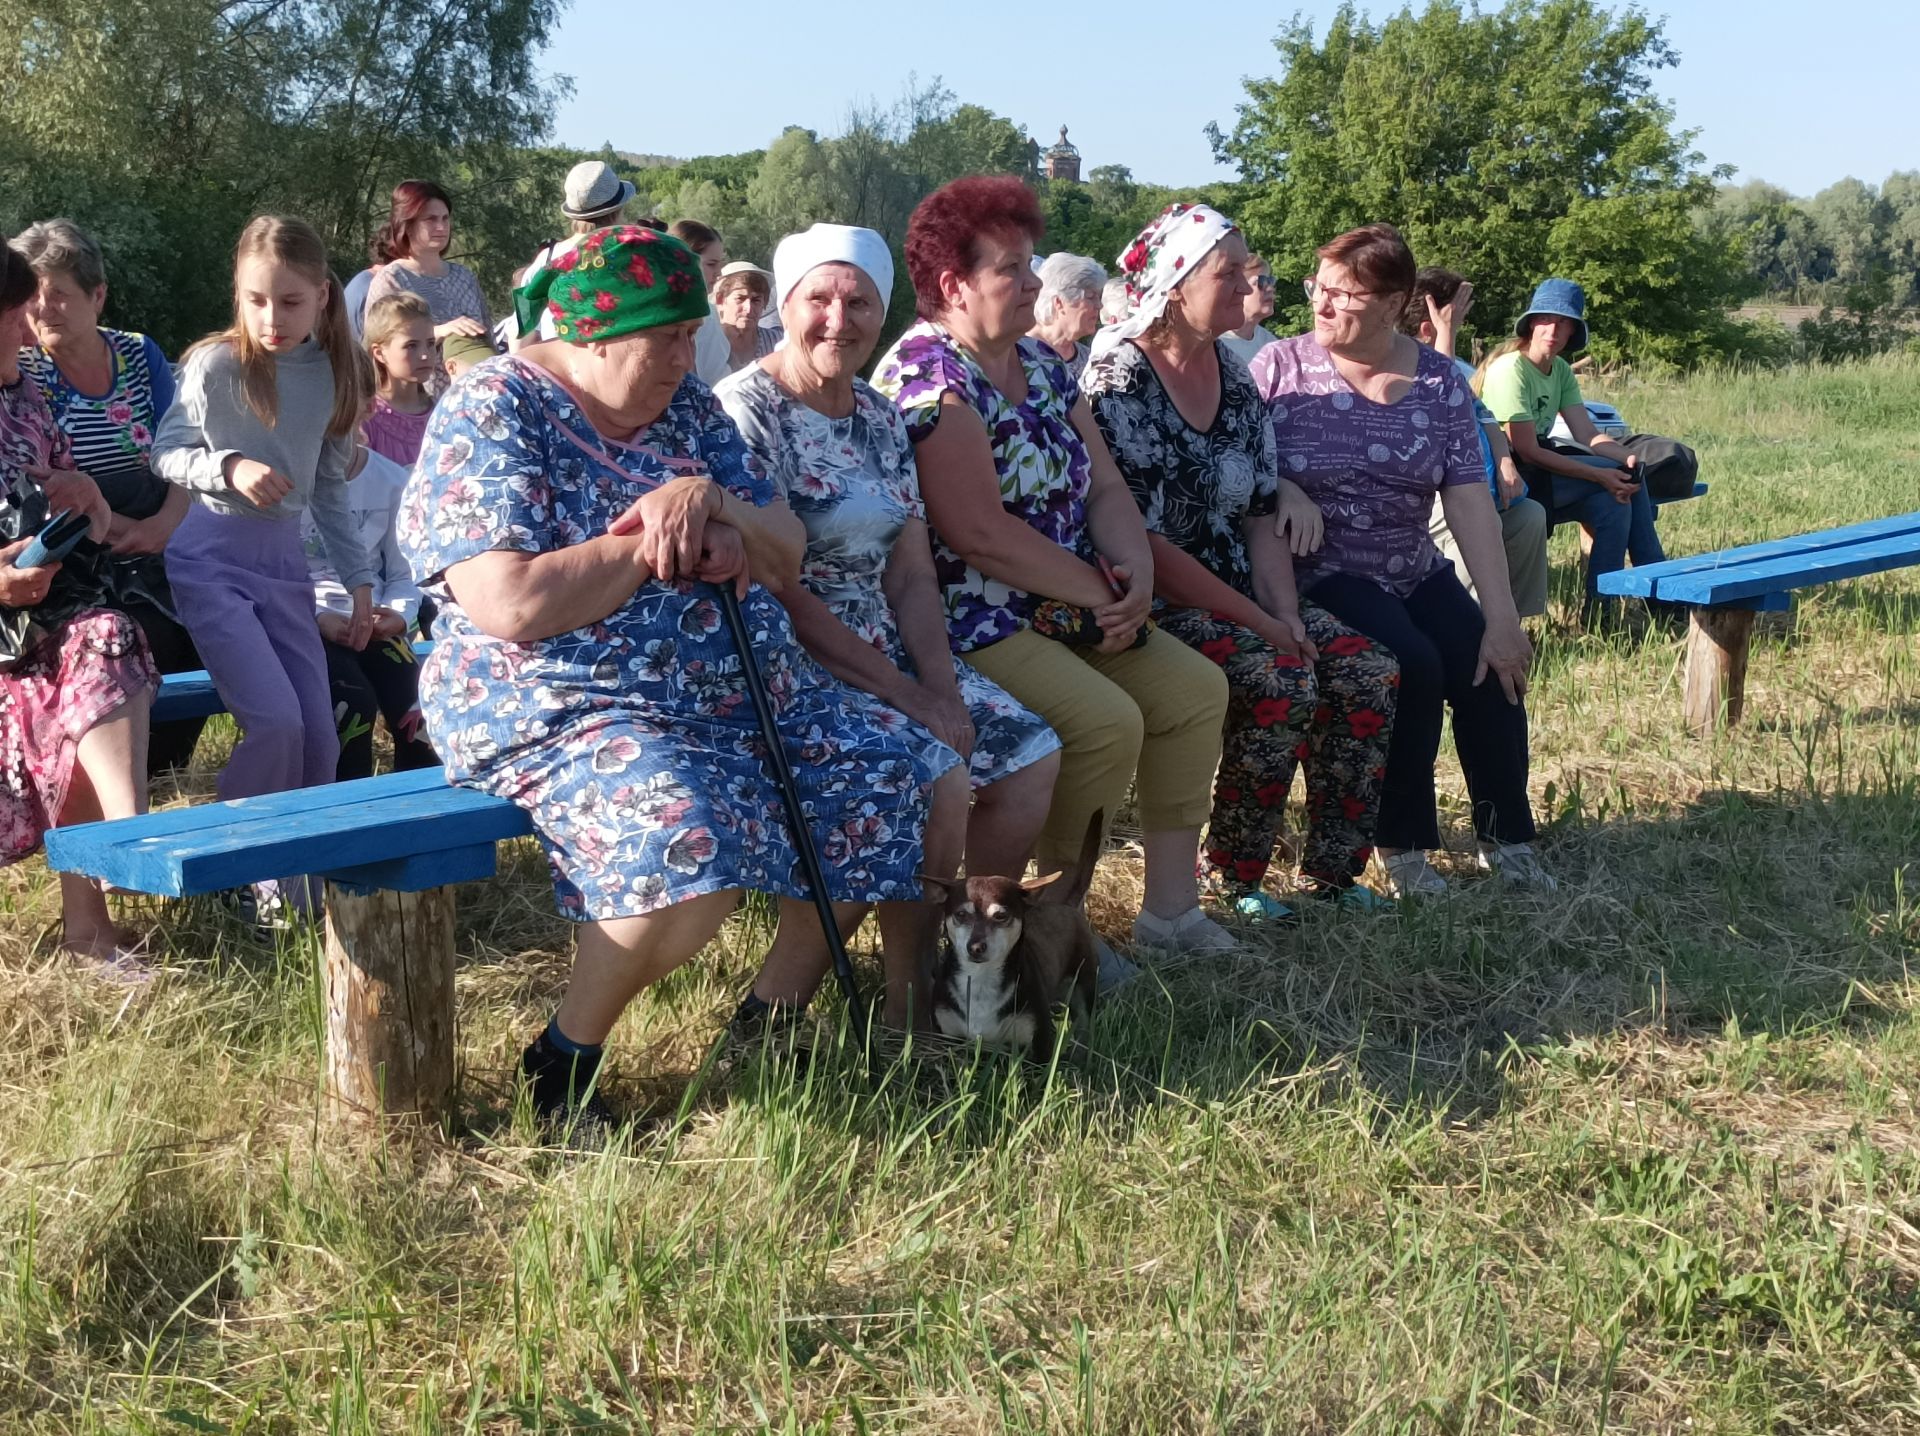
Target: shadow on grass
x,y
1775,913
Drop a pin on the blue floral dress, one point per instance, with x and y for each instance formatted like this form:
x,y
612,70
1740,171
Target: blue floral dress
x,y
1044,469
853,483
632,741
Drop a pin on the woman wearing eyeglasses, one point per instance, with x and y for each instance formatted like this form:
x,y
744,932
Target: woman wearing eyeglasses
x,y
1371,425
1252,336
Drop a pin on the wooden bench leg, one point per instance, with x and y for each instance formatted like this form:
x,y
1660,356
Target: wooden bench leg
x,y
389,986
1716,688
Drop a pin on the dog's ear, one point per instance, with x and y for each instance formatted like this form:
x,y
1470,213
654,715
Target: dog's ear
x,y
1039,885
944,888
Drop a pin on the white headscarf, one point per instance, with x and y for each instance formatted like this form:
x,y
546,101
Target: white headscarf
x,y
1161,255
832,244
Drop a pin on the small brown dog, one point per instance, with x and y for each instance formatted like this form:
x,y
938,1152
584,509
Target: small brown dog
x,y
1016,953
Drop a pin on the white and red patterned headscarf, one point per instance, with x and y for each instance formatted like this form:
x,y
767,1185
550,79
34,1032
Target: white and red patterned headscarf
x,y
1162,255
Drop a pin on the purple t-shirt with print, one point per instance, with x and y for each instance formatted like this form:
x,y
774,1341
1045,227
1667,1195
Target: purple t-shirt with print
x,y
1372,468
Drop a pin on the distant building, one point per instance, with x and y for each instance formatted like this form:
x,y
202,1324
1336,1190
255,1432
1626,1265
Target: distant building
x,y
1063,160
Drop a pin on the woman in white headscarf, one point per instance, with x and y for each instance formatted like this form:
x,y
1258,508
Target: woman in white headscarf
x,y
868,607
1191,436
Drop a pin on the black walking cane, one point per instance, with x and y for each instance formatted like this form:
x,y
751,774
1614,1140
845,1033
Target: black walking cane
x,y
796,814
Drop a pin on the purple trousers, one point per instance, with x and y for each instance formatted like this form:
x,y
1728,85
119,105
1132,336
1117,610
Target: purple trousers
x,y
242,590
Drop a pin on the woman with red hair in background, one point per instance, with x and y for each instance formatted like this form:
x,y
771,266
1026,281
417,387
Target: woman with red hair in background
x,y
411,251
1042,555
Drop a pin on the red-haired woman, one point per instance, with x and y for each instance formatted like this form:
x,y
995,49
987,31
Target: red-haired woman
x,y
411,251
1027,510
1372,425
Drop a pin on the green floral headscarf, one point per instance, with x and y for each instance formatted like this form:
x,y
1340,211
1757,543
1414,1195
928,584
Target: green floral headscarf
x,y
613,282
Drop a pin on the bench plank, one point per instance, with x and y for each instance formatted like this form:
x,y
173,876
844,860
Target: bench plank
x,y
1649,581
186,695
342,827
193,695
1749,580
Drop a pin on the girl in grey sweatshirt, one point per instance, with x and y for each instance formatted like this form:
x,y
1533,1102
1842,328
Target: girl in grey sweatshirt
x,y
261,430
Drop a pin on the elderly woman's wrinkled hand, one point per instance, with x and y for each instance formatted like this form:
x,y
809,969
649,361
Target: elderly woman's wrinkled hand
x,y
1122,619
1299,521
944,714
69,491
23,587
1287,636
670,524
723,558
1507,653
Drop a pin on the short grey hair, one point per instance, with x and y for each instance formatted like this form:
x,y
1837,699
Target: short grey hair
x,y
59,246
1113,301
1066,276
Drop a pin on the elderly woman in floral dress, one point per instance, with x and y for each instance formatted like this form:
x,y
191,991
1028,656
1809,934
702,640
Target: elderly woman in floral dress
x,y
867,606
570,504
1190,434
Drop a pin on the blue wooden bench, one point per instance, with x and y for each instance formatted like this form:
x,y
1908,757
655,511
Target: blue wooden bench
x,y
1725,589
192,695
389,849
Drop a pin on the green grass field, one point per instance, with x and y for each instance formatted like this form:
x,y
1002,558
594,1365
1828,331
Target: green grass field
x,y
1640,1156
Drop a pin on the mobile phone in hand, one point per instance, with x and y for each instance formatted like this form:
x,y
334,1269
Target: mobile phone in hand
x,y
55,541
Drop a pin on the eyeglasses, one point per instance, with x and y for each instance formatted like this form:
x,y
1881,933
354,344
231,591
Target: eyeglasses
x,y
1341,299
1264,283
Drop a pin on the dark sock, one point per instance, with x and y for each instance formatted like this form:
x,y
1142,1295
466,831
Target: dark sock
x,y
567,1047
752,1006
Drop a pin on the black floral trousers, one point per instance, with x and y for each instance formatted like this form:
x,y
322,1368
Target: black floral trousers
x,y
1335,715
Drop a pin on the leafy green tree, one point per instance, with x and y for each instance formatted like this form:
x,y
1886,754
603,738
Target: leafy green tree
x,y
1779,242
162,125
1501,143
1853,223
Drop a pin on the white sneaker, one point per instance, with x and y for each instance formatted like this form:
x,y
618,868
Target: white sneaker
x,y
1410,875
1516,863
1191,932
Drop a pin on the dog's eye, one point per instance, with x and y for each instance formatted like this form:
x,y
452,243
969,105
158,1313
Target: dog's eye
x,y
1001,915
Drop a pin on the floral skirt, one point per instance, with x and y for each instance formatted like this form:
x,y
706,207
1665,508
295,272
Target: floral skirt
x,y
94,664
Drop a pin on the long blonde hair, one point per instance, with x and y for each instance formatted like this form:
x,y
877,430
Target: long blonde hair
x,y
1505,346
386,318
296,244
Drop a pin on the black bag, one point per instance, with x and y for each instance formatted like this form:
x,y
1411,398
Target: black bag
x,y
1667,467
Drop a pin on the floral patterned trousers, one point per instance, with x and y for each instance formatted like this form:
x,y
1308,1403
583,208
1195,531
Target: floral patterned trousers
x,y
1335,715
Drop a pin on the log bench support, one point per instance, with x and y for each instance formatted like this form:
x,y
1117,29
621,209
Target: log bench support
x,y
1716,681
388,978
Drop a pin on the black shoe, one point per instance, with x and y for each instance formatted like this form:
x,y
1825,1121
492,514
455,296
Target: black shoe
x,y
756,1026
566,1098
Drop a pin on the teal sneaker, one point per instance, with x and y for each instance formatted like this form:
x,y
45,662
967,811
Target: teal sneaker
x,y
1355,897
1262,907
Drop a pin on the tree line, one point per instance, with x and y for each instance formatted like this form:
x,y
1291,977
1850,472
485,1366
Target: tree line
x,y
1507,144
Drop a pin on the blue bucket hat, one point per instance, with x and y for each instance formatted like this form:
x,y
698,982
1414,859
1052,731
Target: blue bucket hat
x,y
1563,299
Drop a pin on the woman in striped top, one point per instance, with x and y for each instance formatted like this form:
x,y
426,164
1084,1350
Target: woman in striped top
x,y
107,389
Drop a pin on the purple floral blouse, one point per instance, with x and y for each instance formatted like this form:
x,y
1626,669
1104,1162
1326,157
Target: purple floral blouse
x,y
1043,466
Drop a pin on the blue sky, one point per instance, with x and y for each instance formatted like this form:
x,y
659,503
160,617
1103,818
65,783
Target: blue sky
x,y
1795,93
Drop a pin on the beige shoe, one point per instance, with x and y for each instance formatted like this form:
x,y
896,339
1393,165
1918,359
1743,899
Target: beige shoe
x,y
1191,932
